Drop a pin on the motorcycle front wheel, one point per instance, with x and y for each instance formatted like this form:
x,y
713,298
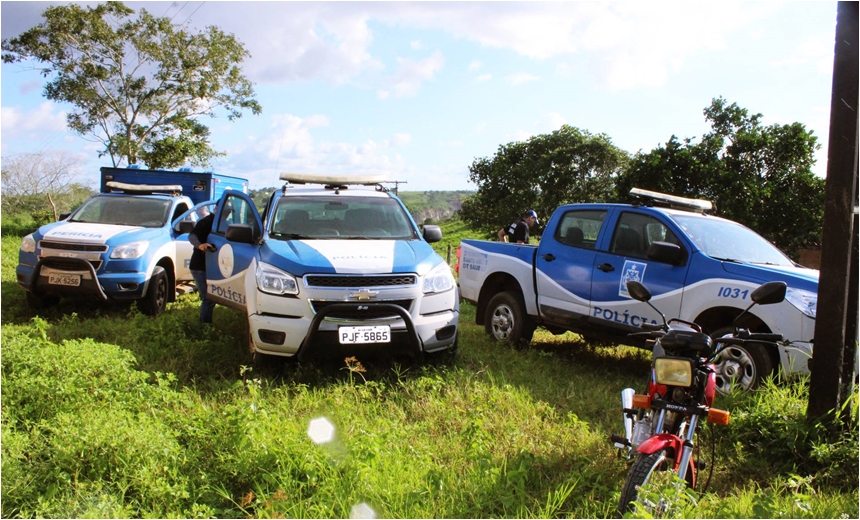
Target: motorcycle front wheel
x,y
643,467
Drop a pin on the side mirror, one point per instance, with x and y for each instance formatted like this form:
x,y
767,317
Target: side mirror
x,y
64,216
771,292
638,291
665,252
185,226
242,233
432,233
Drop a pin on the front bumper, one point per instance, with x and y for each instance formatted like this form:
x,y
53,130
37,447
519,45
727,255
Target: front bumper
x,y
312,334
126,285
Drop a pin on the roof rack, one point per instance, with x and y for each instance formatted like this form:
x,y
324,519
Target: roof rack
x,y
145,189
333,180
655,198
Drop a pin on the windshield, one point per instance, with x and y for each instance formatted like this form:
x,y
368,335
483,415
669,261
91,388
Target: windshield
x,y
123,211
340,218
727,240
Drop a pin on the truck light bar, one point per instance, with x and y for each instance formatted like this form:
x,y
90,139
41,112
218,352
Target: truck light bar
x,y
672,201
144,188
333,180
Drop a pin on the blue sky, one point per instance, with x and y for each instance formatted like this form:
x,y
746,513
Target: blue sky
x,y
419,90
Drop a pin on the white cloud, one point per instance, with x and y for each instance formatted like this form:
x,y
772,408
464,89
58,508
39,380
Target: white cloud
x,y
484,77
520,78
401,139
549,123
411,74
475,65
416,44
41,119
383,94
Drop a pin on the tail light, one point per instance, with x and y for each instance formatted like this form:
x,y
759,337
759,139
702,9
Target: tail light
x,y
718,416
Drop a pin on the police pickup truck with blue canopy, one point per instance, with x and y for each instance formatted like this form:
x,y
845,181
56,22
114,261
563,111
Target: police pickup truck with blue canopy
x,y
333,264
121,244
699,267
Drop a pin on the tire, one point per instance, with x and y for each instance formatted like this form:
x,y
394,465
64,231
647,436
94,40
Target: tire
x,y
41,301
154,302
641,470
506,320
743,367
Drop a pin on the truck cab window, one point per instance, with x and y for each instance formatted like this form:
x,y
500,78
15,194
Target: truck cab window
x,y
580,228
635,233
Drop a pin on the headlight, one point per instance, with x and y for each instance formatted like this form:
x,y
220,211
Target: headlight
x,y
130,251
804,301
274,281
28,245
673,371
439,279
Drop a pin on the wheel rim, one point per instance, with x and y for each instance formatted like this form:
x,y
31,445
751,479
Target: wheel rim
x,y
735,369
161,293
503,322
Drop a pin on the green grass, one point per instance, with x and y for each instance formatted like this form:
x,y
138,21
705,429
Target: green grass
x,y
110,413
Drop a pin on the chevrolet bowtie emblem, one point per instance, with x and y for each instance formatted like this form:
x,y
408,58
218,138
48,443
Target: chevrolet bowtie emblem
x,y
363,295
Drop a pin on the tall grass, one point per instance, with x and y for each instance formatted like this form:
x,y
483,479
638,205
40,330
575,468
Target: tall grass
x,y
109,413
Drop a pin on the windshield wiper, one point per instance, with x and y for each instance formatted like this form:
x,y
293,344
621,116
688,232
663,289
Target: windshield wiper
x,y
732,260
289,236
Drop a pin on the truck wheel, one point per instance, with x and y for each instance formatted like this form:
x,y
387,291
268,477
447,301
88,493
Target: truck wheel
x,y
506,320
155,300
41,301
743,367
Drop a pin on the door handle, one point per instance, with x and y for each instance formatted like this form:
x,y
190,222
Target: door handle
x,y
606,268
549,257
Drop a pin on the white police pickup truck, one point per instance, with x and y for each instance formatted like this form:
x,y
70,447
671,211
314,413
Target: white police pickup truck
x,y
699,268
334,264
121,244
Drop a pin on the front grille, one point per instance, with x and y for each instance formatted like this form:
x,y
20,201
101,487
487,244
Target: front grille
x,y
88,248
66,264
370,312
359,281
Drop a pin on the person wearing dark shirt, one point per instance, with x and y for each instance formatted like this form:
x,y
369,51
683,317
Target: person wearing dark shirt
x,y
518,232
198,239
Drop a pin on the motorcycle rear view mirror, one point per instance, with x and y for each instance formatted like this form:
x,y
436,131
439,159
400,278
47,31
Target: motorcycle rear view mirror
x,y
766,294
639,292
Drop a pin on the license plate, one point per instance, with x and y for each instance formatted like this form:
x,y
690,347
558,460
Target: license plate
x,y
364,334
72,280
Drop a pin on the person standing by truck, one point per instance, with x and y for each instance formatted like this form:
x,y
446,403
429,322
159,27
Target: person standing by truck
x,y
198,238
518,232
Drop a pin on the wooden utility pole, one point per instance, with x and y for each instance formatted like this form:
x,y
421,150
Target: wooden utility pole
x,y
834,352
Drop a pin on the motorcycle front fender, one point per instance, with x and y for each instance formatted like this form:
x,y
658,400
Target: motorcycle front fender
x,y
667,441
661,441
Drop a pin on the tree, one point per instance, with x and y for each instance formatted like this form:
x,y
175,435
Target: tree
x,y
567,165
760,176
137,85
42,185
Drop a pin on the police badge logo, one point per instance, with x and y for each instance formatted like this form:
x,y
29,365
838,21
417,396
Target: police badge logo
x,y
633,271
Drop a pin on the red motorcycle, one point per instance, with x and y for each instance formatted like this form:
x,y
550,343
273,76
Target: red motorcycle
x,y
660,425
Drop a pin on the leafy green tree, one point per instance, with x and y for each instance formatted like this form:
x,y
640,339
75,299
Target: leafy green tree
x,y
137,85
567,165
760,176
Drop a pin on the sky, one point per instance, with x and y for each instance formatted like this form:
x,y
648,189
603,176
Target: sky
x,y
419,90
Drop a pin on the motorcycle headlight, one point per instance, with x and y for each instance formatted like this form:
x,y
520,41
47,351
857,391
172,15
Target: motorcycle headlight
x,y
804,301
130,251
28,245
272,280
439,279
673,371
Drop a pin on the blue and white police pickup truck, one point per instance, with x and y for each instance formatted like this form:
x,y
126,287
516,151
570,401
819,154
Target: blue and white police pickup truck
x,y
699,268
334,264
121,243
